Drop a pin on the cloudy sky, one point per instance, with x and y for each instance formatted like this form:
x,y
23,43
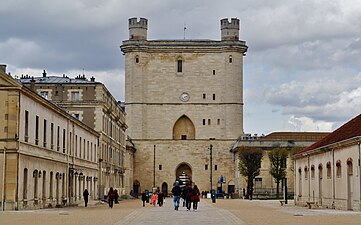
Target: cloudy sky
x,y
302,71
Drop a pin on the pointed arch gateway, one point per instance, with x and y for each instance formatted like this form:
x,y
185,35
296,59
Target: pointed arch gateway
x,y
183,129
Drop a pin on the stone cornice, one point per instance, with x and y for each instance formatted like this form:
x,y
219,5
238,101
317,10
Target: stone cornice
x,y
184,46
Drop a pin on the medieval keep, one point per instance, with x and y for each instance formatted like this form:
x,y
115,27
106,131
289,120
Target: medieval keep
x,y
184,105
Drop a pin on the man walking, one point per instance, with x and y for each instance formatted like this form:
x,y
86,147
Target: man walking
x,y
176,191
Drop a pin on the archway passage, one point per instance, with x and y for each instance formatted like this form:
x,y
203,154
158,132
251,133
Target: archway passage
x,y
136,188
183,129
184,174
165,189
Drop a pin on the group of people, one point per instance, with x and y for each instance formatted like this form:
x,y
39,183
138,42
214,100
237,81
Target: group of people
x,y
188,194
112,197
157,198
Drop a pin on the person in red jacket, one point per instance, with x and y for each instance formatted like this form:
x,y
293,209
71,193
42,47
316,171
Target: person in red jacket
x,y
195,197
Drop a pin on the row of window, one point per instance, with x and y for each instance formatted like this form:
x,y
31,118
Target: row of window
x,y
205,96
113,155
180,64
47,186
112,129
83,148
205,167
210,122
328,170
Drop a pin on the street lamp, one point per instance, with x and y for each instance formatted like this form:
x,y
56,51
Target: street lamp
x,y
210,159
154,166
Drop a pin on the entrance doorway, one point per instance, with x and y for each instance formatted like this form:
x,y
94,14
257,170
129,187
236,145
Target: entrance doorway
x,y
165,189
136,188
184,173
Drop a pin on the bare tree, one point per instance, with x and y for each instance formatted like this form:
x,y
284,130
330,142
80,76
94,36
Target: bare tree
x,y
278,158
249,165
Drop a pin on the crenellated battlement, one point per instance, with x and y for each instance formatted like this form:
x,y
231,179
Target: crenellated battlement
x,y
230,29
138,29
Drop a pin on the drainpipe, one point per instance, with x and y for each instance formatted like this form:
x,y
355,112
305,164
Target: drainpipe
x,y
333,179
309,177
295,181
359,172
3,186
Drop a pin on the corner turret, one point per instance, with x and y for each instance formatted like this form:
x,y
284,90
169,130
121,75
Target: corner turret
x,y
138,29
230,30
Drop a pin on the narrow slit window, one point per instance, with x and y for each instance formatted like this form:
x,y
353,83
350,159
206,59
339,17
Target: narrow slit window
x,y
230,59
214,72
204,96
214,96
179,66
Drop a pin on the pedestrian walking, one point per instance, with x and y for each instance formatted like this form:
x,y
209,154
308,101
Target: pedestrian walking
x,y
144,198
188,196
86,196
160,199
111,196
176,191
154,198
195,197
116,196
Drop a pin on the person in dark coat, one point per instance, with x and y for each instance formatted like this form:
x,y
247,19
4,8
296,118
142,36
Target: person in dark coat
x,y
111,196
176,191
144,198
195,197
86,196
116,196
188,195
160,199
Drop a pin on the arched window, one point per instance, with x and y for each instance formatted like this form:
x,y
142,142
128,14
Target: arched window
x,y
313,172
230,59
338,169
183,129
137,59
320,171
328,172
349,166
306,172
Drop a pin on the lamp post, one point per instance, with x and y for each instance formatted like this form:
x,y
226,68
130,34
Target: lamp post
x,y
210,159
154,166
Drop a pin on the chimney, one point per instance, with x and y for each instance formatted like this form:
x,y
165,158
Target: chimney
x,y
3,68
44,73
32,84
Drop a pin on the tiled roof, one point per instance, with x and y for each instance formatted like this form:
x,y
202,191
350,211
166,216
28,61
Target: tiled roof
x,y
296,136
348,130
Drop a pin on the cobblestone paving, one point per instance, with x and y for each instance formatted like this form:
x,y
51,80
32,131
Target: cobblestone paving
x,y
206,214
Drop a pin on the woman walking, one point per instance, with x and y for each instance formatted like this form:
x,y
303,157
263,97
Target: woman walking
x,y
195,197
111,196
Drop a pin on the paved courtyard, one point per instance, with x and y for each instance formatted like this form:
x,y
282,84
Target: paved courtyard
x,y
226,212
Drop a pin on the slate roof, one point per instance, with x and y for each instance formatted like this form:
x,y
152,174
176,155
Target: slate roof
x,y
348,130
55,80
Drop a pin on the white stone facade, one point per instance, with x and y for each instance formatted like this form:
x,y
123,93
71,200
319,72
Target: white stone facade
x,y
43,162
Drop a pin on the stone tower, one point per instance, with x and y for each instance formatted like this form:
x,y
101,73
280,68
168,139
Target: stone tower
x,y
230,30
184,105
138,29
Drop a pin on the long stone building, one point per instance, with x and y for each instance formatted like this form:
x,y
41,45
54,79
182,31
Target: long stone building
x,y
47,157
328,173
184,104
90,102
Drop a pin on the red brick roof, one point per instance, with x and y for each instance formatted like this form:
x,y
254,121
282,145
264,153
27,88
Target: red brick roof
x,y
348,130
